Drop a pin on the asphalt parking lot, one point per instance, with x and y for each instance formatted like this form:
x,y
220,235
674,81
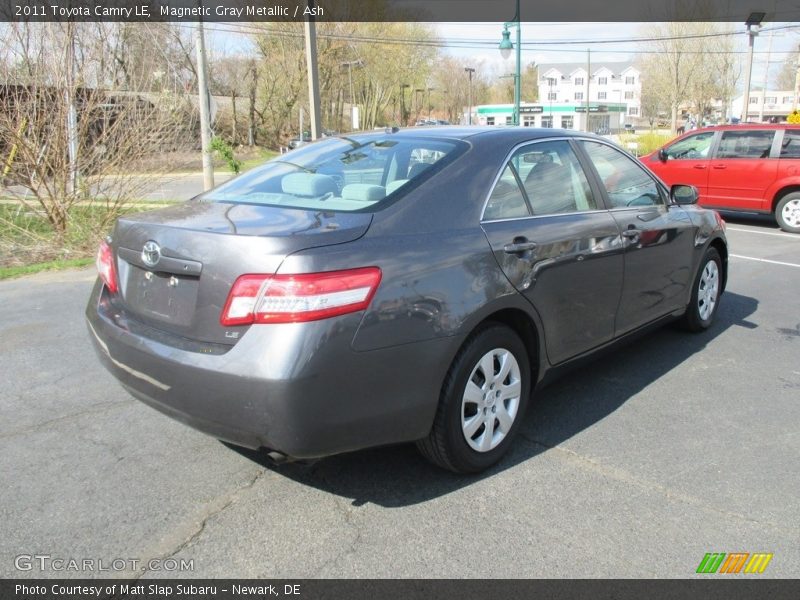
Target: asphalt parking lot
x,y
635,466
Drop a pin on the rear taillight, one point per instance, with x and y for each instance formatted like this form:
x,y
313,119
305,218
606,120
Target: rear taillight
x,y
297,298
105,267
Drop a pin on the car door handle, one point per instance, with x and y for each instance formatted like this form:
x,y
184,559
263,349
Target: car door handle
x,y
699,166
631,233
720,166
518,246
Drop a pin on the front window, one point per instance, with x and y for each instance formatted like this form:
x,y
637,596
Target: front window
x,y
338,174
745,144
693,147
626,183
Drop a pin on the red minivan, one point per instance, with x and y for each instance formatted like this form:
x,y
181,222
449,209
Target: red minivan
x,y
749,168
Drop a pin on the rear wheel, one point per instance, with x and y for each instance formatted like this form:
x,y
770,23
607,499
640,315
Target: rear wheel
x,y
481,403
787,212
705,294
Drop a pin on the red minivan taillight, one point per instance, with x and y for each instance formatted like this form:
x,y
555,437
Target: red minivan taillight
x,y
106,268
297,298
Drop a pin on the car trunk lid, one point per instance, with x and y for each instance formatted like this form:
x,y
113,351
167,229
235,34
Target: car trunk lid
x,y
177,265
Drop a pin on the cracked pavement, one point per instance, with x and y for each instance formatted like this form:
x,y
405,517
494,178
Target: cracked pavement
x,y
635,465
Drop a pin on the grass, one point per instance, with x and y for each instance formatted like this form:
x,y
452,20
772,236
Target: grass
x,y
256,161
28,243
52,265
647,142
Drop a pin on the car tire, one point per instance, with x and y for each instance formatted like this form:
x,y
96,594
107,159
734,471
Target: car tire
x,y
705,293
473,428
787,213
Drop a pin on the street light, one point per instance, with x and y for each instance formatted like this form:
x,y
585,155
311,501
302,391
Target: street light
x,y
753,24
469,70
505,51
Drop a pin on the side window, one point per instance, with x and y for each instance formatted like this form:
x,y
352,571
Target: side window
x,y
553,178
790,148
693,147
748,143
506,201
627,183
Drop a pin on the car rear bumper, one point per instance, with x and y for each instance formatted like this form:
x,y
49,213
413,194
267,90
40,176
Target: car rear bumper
x,y
299,389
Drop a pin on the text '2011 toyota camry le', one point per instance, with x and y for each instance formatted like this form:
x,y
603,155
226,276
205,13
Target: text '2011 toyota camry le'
x,y
398,286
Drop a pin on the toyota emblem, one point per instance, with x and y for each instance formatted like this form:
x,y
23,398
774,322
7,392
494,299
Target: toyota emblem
x,y
151,253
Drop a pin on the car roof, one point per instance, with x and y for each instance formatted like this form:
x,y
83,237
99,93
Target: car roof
x,y
474,132
732,127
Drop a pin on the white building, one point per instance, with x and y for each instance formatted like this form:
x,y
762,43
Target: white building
x,y
765,105
618,83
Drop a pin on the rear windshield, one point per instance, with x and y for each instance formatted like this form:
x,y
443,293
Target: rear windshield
x,y
337,174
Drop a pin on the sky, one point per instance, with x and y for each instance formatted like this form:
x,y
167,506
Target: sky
x,y
784,44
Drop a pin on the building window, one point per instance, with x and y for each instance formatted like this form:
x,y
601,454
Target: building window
x,y
753,99
547,122
602,81
787,99
601,95
628,95
633,111
552,81
528,121
630,80
509,120
490,120
551,95
578,81
770,100
578,95
567,122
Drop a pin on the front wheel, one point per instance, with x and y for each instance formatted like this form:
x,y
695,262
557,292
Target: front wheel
x,y
787,213
705,294
481,403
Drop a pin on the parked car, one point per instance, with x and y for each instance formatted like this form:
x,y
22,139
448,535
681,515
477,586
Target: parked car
x,y
749,168
349,294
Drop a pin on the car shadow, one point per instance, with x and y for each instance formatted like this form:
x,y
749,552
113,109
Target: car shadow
x,y
752,219
396,476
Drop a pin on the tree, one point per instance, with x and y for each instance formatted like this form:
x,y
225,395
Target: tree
x,y
677,65
785,80
453,82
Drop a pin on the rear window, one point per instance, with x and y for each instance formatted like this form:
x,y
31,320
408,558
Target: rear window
x,y
748,143
790,148
339,174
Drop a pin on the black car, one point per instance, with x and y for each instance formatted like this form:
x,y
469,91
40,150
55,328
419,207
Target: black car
x,y
398,286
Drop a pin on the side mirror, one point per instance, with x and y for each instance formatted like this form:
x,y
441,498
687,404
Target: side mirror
x,y
662,155
683,194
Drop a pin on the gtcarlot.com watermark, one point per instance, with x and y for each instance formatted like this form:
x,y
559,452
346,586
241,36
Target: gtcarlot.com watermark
x,y
58,564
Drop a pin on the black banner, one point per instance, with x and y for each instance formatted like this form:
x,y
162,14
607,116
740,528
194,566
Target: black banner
x,y
395,10
714,588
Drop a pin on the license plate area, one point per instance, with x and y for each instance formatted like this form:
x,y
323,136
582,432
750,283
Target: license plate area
x,y
162,296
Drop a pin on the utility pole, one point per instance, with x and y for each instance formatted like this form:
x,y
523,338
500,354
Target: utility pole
x,y
796,84
753,25
588,79
469,70
72,113
205,117
313,75
766,80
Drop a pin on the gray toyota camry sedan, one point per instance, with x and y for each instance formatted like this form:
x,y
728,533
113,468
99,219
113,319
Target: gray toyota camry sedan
x,y
398,286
